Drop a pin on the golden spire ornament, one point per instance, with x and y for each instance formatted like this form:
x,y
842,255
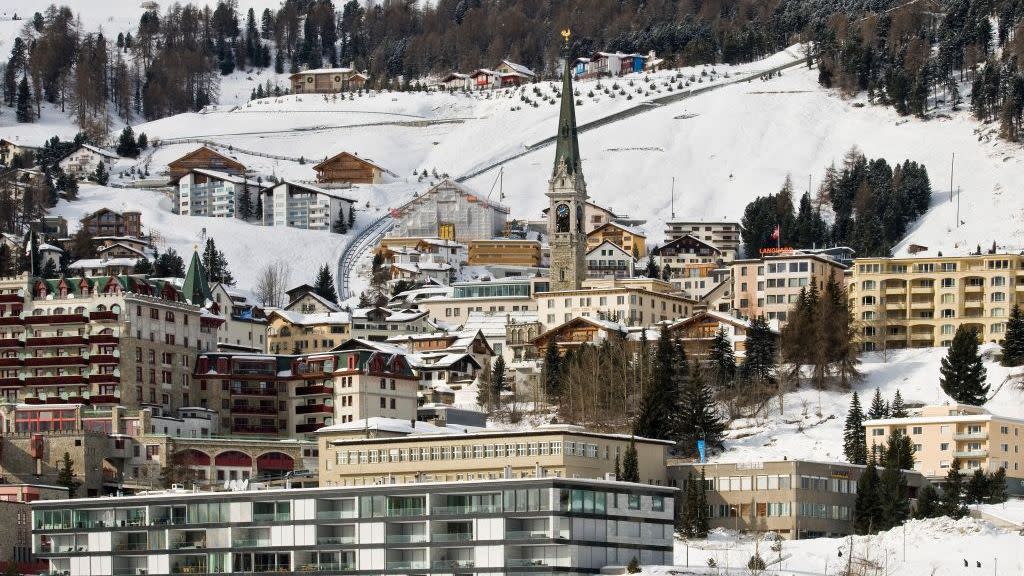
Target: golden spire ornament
x,y
565,34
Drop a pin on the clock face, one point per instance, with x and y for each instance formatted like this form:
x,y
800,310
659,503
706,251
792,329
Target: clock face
x,y
562,211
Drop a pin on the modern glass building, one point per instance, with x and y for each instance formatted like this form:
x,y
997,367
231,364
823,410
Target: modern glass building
x,y
509,526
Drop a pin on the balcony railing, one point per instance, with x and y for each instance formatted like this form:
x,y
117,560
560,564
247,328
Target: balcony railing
x,y
327,567
253,392
307,428
329,540
971,454
336,514
310,390
407,565
452,537
971,436
188,545
519,562
272,517
405,538
244,429
446,564
406,512
314,409
129,546
248,409
251,543
458,510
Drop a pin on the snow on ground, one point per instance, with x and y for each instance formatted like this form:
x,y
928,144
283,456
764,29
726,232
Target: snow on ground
x,y
247,247
934,547
1011,511
811,423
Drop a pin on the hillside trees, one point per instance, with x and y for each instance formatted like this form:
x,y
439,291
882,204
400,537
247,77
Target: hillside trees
x,y
963,376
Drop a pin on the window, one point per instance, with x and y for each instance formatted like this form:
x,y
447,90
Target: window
x,y
916,430
878,431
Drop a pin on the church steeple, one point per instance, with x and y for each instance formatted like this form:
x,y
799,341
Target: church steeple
x,y
567,194
567,147
196,288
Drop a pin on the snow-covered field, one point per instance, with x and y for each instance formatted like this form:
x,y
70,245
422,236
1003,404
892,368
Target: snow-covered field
x,y
934,547
811,422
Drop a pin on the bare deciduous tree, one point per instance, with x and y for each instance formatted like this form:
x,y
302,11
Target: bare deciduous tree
x,y
272,282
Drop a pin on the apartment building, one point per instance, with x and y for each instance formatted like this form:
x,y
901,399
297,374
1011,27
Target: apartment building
x,y
630,239
16,519
300,205
214,194
633,302
772,284
609,260
294,396
107,222
793,498
508,526
297,333
396,451
977,438
513,294
379,324
722,235
102,341
920,302
245,323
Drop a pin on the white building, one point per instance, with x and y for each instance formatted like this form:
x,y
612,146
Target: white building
x,y
301,205
84,160
379,324
214,194
245,325
609,260
92,267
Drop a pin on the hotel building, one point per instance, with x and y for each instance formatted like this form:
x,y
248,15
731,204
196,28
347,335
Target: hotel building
x,y
633,302
920,302
507,526
771,285
977,438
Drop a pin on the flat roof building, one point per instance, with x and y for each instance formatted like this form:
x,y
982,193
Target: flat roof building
x,y
509,526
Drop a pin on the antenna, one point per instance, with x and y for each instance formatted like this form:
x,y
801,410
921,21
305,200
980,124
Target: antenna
x,y
673,197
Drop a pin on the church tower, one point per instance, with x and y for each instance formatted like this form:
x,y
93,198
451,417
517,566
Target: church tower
x,y
567,194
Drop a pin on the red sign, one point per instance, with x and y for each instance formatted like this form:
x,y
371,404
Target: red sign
x,y
774,251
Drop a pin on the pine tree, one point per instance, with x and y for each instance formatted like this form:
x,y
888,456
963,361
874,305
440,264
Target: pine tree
x,y
66,475
631,464
651,269
351,217
483,390
244,208
258,212
143,141
660,404
976,491
216,264
100,175
684,519
759,365
169,265
498,377
963,376
997,487
894,503
551,372
127,146
324,284
143,266
722,359
855,446
617,471
878,408
1013,340
699,418
634,566
25,112
340,225
953,492
898,409
701,522
928,505
867,507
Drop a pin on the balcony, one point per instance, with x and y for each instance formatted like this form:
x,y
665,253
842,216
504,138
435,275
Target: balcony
x,y
531,535
11,321
52,319
452,537
247,429
249,409
36,361
100,378
103,339
309,428
56,341
400,512
407,565
311,390
336,514
54,380
314,409
103,315
11,299
970,436
452,564
251,543
520,562
335,540
253,392
11,362
970,454
459,510
272,517
10,343
103,359
405,538
327,567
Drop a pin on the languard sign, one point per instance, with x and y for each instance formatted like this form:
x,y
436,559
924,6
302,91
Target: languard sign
x,y
777,250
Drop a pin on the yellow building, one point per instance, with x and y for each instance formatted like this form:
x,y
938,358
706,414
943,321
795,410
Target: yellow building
x,y
629,239
298,333
977,438
384,450
920,302
504,251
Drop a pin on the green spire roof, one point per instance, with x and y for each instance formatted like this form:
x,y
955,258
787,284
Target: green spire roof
x,y
196,288
567,148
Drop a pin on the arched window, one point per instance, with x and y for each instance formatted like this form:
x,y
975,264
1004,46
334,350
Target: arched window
x,y
58,310
80,310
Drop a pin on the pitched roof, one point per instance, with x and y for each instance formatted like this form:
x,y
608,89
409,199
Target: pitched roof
x,y
312,294
310,188
612,245
519,68
357,157
322,71
97,150
196,288
300,319
101,263
630,229
218,175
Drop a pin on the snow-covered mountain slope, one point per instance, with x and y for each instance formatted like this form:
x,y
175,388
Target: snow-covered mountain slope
x,y
810,424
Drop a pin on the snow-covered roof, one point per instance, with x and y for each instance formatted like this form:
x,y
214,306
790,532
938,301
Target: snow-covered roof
x,y
396,425
225,177
44,247
455,76
519,68
100,263
327,303
610,244
438,360
483,71
378,346
721,317
393,316
98,150
324,71
634,230
492,324
298,318
311,188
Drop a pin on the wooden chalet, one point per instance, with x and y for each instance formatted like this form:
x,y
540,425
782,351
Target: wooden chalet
x,y
349,168
204,158
687,252
107,222
454,81
628,238
327,80
698,331
579,331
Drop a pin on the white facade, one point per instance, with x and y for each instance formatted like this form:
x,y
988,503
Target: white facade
x,y
301,205
83,161
450,211
213,194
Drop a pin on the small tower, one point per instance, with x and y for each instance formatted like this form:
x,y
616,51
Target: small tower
x,y
567,194
196,288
